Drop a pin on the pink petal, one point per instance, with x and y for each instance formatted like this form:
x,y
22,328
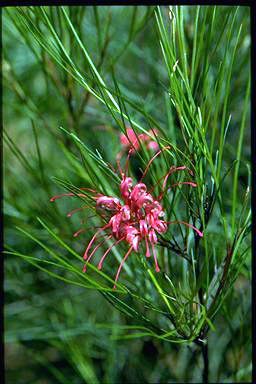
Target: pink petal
x,y
115,223
152,237
126,184
147,248
154,252
143,228
108,202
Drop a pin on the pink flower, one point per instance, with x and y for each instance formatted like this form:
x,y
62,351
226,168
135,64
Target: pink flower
x,y
131,142
135,221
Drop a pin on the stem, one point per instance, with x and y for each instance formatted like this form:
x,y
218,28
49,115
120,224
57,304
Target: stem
x,y
202,341
168,244
206,362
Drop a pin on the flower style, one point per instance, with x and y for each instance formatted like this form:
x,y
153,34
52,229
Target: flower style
x,y
133,219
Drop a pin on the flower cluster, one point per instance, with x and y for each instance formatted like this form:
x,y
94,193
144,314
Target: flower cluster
x,y
139,217
133,219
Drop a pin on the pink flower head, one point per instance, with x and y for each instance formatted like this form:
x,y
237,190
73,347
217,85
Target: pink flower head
x,y
135,221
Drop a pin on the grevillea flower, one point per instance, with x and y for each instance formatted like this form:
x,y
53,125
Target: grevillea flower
x,y
130,142
135,218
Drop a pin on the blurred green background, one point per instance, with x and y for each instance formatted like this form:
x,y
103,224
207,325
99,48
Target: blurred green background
x,y
54,333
